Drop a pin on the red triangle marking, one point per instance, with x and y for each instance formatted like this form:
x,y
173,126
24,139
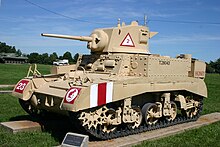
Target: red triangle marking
x,y
127,41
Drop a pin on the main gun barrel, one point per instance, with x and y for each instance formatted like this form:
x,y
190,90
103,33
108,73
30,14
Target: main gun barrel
x,y
81,38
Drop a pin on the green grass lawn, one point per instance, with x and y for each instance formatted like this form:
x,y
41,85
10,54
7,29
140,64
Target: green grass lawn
x,y
11,110
207,136
212,103
35,139
12,73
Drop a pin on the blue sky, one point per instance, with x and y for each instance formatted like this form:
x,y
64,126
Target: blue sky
x,y
21,24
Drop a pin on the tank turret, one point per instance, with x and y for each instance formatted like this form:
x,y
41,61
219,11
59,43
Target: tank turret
x,y
121,39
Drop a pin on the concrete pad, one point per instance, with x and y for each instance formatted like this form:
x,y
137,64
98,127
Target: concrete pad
x,y
3,86
5,91
21,126
155,134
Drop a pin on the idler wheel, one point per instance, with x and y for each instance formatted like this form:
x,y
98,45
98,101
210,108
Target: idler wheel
x,y
194,111
190,112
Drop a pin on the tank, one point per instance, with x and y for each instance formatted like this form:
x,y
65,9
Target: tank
x,y
120,88
12,58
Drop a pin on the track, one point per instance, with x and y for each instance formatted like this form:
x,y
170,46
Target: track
x,y
125,130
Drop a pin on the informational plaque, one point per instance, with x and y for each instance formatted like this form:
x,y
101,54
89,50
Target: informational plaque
x,y
75,140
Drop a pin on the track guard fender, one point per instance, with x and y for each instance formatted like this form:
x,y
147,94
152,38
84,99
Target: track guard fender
x,y
23,89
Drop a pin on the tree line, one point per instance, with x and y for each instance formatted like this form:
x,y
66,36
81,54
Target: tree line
x,y
213,66
34,57
45,58
4,48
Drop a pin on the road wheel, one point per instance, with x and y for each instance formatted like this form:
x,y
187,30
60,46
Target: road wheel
x,y
173,111
149,112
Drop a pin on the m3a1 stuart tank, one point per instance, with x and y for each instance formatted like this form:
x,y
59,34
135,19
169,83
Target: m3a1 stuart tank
x,y
120,88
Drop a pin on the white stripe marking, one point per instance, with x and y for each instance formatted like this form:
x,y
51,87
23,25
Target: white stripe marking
x,y
109,92
93,95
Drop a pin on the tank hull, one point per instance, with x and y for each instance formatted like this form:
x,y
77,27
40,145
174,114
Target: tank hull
x,y
113,90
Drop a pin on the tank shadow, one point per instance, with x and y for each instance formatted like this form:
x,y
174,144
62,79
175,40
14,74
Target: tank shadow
x,y
21,117
56,125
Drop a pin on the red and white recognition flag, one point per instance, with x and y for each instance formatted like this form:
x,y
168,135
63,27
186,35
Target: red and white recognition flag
x,y
101,94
